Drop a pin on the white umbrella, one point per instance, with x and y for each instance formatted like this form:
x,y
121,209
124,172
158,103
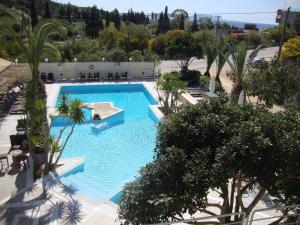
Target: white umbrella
x,y
241,98
212,85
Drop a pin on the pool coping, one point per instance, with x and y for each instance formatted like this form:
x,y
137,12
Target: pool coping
x,y
69,164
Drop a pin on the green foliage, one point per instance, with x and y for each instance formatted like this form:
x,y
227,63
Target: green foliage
x,y
275,83
275,34
253,38
215,146
291,50
191,77
249,26
184,47
169,87
118,55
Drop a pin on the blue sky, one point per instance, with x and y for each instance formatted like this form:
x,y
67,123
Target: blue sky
x,y
200,6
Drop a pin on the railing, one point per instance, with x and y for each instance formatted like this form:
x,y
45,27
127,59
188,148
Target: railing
x,y
250,220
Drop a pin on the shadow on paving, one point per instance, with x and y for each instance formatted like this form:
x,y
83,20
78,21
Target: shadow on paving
x,y
40,204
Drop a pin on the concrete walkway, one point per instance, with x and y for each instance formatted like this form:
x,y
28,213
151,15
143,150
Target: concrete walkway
x,y
49,202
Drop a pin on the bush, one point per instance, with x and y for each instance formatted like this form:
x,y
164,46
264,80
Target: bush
x,y
191,77
253,38
118,55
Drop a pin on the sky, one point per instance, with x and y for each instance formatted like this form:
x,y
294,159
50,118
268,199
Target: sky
x,y
212,7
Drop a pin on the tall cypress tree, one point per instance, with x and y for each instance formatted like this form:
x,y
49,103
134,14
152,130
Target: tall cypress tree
x,y
117,20
69,11
166,21
33,15
160,27
47,13
107,19
181,22
195,27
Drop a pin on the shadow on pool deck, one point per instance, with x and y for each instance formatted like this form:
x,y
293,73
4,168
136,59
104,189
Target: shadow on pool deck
x,y
47,201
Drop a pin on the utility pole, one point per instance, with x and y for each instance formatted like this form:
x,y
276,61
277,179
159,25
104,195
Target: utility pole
x,y
217,24
283,33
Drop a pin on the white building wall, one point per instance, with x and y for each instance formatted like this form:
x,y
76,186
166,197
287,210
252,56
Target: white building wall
x,y
72,70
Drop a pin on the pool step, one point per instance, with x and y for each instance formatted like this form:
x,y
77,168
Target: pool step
x,y
85,186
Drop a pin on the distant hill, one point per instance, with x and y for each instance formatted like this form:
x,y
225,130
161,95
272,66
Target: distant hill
x,y
241,24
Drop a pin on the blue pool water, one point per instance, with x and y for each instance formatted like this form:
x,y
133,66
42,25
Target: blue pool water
x,y
116,151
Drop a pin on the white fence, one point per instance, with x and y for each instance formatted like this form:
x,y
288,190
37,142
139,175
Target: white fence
x,y
72,70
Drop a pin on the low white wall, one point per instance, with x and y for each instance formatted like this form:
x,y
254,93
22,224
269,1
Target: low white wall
x,y
71,70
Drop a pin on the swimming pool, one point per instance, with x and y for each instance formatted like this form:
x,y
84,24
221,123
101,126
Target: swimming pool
x,y
115,152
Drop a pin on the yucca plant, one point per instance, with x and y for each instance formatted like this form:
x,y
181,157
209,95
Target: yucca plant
x,y
239,68
210,53
73,111
222,56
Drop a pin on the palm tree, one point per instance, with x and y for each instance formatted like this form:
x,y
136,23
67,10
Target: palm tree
x,y
74,112
222,55
34,41
34,45
238,67
211,53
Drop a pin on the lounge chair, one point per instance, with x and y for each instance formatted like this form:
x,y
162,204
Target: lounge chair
x,y
82,76
124,75
24,161
21,125
97,76
16,141
3,157
90,77
110,76
50,78
43,77
117,77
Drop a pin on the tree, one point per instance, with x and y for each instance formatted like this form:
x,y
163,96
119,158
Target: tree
x,y
220,148
110,37
275,34
210,53
250,26
69,11
47,13
160,26
181,22
184,48
73,112
238,68
34,44
116,19
222,56
33,15
195,27
107,19
166,21
253,38
169,87
267,82
291,50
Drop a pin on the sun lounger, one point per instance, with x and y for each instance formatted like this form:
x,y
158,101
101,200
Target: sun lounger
x,y
82,76
50,78
43,77
124,75
117,77
110,76
97,76
90,77
16,141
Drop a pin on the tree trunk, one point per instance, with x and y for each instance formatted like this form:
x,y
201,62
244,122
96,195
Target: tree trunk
x,y
235,93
